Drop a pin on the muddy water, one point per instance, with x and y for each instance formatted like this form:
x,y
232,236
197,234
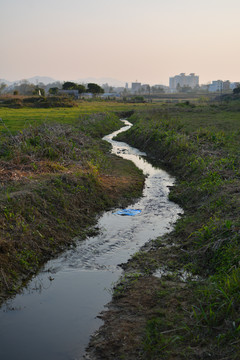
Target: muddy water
x,y
56,314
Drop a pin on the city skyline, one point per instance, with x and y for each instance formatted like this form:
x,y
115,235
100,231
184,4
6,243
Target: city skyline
x,y
182,79
148,41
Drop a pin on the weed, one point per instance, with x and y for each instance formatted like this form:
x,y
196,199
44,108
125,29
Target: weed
x,y
28,259
158,339
120,288
200,145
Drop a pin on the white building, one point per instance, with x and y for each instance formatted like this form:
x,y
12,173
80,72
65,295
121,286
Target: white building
x,y
216,86
182,80
219,86
233,85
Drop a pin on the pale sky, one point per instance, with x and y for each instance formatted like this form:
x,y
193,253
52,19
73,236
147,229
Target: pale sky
x,y
129,40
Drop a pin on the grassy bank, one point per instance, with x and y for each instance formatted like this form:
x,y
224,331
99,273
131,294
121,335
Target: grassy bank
x,y
205,157
54,179
191,311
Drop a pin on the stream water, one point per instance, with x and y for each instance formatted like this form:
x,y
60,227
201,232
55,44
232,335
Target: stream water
x,y
56,314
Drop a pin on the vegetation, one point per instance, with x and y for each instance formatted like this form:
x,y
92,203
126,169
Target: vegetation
x,y
56,174
68,85
61,110
236,90
94,89
91,87
195,316
54,179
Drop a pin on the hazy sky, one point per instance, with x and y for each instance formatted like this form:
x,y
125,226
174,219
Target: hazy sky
x,y
144,40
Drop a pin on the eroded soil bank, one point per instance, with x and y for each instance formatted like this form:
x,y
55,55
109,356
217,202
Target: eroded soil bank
x,y
180,295
55,179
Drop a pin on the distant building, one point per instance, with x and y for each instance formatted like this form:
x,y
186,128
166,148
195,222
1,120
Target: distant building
x,y
233,85
216,86
182,80
160,88
145,88
219,86
106,87
204,87
86,95
226,85
73,93
110,95
136,87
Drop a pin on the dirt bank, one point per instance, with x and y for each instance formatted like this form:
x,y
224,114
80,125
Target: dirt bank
x,y
55,179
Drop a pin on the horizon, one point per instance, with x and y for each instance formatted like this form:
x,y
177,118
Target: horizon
x,y
144,41
100,81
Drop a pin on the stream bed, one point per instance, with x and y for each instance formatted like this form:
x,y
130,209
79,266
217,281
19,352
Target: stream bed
x,y
54,317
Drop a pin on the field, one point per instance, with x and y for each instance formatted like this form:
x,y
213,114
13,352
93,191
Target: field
x,y
18,119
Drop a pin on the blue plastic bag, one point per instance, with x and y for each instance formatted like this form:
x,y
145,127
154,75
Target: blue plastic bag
x,y
128,212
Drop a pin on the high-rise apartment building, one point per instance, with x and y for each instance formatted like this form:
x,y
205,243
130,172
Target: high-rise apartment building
x,y
191,80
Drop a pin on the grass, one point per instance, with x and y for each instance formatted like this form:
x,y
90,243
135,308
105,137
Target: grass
x,y
18,119
57,174
199,144
55,177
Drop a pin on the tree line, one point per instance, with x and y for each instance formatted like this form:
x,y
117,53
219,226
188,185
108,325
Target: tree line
x,y
26,88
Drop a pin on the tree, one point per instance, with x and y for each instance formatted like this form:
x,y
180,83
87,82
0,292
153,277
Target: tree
x,y
95,89
53,90
24,88
69,85
55,84
138,98
236,90
157,89
178,87
81,89
39,91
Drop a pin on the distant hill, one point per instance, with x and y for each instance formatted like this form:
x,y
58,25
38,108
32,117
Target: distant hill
x,y
5,82
44,79
48,80
33,80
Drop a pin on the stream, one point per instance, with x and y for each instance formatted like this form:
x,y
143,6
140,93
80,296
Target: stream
x,y
54,317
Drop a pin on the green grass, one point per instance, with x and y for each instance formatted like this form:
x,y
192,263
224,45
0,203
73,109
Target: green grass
x,y
18,119
206,117
200,145
55,178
